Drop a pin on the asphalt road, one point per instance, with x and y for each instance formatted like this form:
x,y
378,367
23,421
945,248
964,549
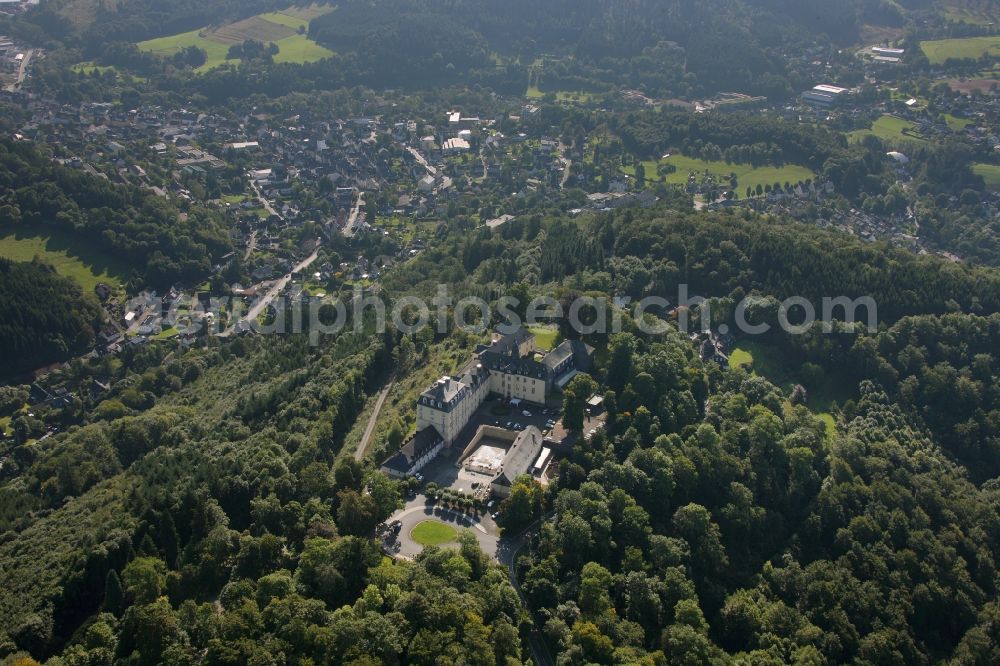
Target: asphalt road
x,y
352,220
359,452
419,509
22,71
272,293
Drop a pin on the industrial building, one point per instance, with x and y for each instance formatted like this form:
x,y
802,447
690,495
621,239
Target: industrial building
x,y
824,95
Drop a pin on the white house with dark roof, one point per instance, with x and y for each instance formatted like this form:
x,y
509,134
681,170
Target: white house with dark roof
x,y
417,452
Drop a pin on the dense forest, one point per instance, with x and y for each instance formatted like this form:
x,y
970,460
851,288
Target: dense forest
x,y
91,24
832,498
666,48
204,508
162,243
750,533
43,317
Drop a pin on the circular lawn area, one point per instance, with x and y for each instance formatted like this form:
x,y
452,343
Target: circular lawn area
x,y
433,533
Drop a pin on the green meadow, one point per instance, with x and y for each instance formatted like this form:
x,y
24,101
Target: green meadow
x,y
940,50
746,174
990,174
768,362
281,28
534,92
887,128
70,256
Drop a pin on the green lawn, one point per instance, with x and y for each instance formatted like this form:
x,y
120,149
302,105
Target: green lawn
x,y
534,92
90,67
546,337
746,174
433,533
887,128
71,257
956,124
166,334
990,173
769,363
4,424
940,50
740,358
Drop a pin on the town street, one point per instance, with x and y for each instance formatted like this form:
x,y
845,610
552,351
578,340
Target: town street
x,y
22,72
276,289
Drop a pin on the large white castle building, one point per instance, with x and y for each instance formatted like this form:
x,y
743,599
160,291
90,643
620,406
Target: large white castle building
x,y
510,367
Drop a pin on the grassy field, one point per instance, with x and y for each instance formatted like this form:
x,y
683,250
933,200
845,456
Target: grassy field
x,y
956,124
91,67
746,175
280,28
296,17
770,363
4,425
167,46
300,49
433,533
71,257
940,50
534,92
887,128
545,337
740,358
990,173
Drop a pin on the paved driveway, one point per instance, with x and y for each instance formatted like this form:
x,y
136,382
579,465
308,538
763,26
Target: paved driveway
x,y
418,510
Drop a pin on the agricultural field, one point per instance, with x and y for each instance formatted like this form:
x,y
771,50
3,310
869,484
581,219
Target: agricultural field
x,y
983,85
746,174
990,174
297,17
71,258
281,28
887,128
938,51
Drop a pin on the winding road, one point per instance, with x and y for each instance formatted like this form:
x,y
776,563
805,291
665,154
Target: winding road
x,y
507,550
